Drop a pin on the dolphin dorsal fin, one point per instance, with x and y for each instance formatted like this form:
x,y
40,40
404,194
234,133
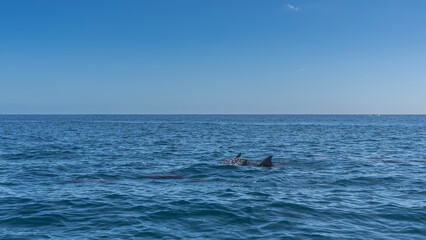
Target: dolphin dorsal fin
x,y
239,155
267,162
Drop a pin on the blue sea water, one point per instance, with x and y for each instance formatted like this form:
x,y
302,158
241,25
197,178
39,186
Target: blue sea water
x,y
163,177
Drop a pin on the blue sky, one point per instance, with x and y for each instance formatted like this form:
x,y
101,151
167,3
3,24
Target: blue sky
x,y
213,56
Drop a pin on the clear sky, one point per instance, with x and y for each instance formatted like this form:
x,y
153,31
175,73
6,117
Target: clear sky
x,y
213,56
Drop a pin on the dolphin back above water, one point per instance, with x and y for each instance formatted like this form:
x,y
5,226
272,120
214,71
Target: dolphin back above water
x,y
240,161
267,162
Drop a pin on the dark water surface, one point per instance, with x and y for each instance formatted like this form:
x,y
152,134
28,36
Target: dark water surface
x,y
150,176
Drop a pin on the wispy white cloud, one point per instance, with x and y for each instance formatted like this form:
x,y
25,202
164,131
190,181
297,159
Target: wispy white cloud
x,y
293,7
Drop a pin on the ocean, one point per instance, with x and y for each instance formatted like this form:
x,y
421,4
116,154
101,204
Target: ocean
x,y
163,177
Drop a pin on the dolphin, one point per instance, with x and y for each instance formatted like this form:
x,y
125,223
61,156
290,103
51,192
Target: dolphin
x,y
240,161
167,175
237,161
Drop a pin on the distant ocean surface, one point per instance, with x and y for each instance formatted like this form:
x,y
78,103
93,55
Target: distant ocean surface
x,y
163,177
